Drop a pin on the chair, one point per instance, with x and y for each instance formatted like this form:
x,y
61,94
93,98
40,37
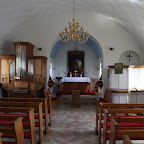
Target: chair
x,y
108,96
105,95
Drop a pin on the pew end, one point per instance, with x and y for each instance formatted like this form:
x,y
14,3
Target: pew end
x,y
126,139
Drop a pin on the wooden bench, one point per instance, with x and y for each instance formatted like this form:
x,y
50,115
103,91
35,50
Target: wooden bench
x,y
29,101
126,139
28,119
108,105
49,105
37,109
106,99
0,137
54,100
14,128
117,132
107,117
45,107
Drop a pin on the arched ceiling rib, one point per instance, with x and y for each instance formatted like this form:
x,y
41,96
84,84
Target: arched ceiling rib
x,y
130,13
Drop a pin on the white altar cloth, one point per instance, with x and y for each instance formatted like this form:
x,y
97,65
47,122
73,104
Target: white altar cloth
x,y
75,79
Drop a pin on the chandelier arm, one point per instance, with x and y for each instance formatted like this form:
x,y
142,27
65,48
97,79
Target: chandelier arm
x,y
73,9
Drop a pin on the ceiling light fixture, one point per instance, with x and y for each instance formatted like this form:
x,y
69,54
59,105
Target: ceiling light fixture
x,y
74,32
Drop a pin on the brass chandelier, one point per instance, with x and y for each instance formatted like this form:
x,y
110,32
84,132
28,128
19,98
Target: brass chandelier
x,y
74,32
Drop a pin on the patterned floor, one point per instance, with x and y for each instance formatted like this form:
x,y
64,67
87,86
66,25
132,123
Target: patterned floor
x,y
75,125
72,125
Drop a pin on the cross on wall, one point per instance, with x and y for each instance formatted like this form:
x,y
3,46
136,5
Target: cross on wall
x,y
129,56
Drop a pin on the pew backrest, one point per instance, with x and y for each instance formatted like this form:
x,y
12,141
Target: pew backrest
x,y
26,113
38,109
105,94
116,131
119,118
15,128
29,100
0,137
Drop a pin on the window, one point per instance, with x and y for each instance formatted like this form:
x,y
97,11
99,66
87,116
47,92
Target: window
x,y
51,73
100,70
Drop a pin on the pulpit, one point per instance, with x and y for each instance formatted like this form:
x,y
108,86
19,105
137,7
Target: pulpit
x,y
127,87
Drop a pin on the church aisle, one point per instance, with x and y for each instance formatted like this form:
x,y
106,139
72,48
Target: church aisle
x,y
72,125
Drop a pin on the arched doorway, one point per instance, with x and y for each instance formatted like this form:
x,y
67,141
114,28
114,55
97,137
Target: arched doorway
x,y
93,58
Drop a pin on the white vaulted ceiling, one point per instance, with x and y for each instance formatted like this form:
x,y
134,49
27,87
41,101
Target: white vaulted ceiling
x,y
129,13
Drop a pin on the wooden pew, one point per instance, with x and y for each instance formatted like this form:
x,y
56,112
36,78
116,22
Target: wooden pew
x,y
0,137
105,95
126,139
116,131
28,119
106,99
15,128
54,100
125,119
49,104
38,109
45,107
114,106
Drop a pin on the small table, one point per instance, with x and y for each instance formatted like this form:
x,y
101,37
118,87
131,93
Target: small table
x,y
76,98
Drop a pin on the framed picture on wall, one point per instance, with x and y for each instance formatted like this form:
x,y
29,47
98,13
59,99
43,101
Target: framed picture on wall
x,y
75,61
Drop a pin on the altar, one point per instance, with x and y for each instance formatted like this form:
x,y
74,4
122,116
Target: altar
x,y
75,83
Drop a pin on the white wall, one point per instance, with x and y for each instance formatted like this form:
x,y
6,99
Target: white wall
x,y
44,30
4,52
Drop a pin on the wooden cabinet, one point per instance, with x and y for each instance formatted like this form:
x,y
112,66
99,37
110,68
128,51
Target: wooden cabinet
x,y
23,71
